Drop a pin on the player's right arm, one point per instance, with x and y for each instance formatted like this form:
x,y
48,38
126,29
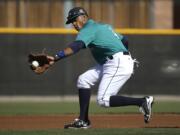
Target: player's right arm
x,y
124,40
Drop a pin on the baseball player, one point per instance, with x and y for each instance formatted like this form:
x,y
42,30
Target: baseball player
x,y
114,67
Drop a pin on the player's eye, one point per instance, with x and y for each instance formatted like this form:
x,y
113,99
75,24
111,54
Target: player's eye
x,y
74,23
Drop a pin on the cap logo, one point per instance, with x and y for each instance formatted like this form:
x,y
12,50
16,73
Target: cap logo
x,y
81,11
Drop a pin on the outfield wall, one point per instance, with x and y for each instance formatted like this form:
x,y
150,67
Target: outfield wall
x,y
156,50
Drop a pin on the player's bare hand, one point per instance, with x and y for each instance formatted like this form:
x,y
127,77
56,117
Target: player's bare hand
x,y
51,59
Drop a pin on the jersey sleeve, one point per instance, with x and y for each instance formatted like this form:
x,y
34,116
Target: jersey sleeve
x,y
87,36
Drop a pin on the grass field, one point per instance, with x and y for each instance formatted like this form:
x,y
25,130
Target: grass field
x,y
51,108
56,108
127,131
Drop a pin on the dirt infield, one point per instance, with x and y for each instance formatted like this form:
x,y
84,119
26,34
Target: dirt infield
x,y
98,121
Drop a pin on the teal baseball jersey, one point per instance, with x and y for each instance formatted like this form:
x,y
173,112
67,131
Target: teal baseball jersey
x,y
101,39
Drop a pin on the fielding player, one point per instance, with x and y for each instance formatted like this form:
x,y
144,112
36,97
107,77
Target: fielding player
x,y
114,67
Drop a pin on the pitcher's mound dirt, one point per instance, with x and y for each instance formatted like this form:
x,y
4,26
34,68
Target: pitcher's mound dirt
x,y
98,121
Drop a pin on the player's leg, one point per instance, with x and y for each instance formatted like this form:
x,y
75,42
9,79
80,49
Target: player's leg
x,y
115,74
108,89
107,97
84,83
84,99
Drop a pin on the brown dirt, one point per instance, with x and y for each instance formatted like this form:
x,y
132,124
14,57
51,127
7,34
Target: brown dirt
x,y
98,121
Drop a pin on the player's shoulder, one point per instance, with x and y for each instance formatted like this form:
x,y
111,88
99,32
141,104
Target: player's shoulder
x,y
89,26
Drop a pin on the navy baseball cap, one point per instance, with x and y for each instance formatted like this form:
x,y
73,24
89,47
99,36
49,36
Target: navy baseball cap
x,y
74,13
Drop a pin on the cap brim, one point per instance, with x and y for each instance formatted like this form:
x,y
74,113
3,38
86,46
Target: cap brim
x,y
73,18
68,21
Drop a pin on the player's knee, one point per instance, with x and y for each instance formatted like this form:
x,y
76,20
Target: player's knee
x,y
103,103
82,82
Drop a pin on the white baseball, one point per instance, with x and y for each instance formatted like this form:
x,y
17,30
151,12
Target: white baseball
x,y
35,63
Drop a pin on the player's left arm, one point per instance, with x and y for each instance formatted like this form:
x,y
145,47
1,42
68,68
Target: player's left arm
x,y
72,49
45,61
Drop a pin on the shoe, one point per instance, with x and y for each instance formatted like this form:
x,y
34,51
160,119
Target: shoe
x,y
146,108
78,124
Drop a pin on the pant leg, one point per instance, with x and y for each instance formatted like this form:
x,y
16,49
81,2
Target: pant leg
x,y
85,82
114,75
90,77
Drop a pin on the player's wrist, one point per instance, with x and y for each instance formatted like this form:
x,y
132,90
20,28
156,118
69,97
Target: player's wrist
x,y
56,58
59,55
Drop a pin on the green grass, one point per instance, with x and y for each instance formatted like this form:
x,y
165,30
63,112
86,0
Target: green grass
x,y
55,108
126,131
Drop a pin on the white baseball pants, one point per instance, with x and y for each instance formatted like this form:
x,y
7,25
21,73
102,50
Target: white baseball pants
x,y
112,76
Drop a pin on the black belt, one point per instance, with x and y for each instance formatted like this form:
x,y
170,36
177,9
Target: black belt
x,y
124,53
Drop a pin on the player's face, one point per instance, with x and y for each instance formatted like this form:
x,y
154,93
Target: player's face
x,y
79,22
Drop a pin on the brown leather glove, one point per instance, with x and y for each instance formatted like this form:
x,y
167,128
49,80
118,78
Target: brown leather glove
x,y
42,60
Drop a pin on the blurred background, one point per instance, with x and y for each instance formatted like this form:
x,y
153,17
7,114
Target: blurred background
x,y
119,13
152,27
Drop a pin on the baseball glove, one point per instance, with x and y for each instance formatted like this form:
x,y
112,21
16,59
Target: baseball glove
x,y
42,63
